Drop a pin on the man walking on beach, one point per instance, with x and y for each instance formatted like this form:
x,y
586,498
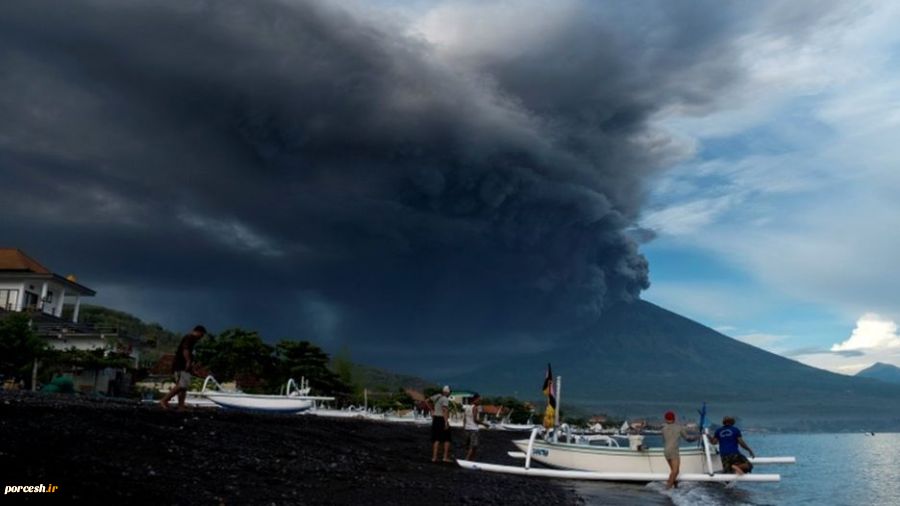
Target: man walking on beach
x,y
672,434
440,424
182,366
472,416
729,437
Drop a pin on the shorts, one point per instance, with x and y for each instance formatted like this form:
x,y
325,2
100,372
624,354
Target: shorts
x,y
471,439
734,459
183,379
439,430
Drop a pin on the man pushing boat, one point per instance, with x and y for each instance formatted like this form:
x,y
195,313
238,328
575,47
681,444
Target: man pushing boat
x,y
672,433
729,438
182,367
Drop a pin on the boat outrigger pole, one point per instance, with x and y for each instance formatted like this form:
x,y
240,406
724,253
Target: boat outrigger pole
x,y
709,466
534,433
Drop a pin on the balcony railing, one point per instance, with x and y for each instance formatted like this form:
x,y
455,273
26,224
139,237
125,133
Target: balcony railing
x,y
73,329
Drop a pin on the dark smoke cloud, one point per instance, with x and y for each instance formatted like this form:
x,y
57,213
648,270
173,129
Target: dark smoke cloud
x,y
293,167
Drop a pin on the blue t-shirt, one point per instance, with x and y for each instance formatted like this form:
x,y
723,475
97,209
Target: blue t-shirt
x,y
728,439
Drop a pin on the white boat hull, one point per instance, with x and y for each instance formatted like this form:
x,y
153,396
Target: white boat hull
x,y
249,402
197,400
615,459
345,413
193,399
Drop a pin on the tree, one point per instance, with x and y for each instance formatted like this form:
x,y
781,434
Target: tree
x,y
239,355
97,358
402,400
302,359
161,341
342,365
521,411
19,345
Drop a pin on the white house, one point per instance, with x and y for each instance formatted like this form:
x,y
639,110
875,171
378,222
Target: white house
x,y
26,285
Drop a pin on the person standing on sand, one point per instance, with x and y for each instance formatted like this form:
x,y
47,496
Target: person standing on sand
x,y
729,437
472,416
182,366
440,424
672,434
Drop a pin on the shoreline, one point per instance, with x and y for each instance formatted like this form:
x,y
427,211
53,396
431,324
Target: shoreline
x,y
102,449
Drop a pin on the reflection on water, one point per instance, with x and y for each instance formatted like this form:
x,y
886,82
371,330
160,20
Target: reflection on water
x,y
694,494
833,469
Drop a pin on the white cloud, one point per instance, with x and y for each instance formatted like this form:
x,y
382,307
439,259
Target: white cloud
x,y
687,217
872,332
232,233
840,253
849,365
873,340
804,199
478,31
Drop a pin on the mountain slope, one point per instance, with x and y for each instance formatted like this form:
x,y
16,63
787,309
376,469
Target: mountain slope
x,y
375,378
880,371
641,359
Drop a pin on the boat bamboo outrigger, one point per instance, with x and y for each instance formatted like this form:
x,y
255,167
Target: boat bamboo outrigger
x,y
603,458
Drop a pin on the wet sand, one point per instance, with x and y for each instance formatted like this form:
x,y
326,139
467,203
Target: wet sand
x,y
122,452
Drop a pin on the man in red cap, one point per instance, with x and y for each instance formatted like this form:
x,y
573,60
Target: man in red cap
x,y
672,433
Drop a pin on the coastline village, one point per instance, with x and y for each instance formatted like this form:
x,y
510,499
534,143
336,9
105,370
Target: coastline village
x,y
51,346
75,354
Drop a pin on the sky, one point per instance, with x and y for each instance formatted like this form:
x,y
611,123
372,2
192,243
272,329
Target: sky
x,y
780,228
420,181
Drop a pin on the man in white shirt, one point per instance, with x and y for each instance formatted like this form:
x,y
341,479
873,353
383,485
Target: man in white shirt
x,y
440,424
472,413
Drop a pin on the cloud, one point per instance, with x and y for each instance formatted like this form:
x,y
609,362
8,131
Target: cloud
x,y
814,350
688,217
794,183
872,332
232,233
445,176
874,339
848,362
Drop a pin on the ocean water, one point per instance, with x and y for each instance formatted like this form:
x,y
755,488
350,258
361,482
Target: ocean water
x,y
831,469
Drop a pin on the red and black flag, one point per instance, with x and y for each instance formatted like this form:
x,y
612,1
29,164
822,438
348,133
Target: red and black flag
x,y
550,391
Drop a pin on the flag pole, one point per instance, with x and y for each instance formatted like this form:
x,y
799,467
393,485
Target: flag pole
x,y
556,414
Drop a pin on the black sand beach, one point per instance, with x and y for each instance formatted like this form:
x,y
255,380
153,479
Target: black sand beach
x,y
101,451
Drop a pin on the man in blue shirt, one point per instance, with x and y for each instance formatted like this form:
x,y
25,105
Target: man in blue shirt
x,y
729,438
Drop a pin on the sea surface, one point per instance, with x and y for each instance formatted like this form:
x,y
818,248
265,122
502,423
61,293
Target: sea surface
x,y
831,469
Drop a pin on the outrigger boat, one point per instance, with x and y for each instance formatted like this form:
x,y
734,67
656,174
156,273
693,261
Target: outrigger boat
x,y
294,399
601,457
